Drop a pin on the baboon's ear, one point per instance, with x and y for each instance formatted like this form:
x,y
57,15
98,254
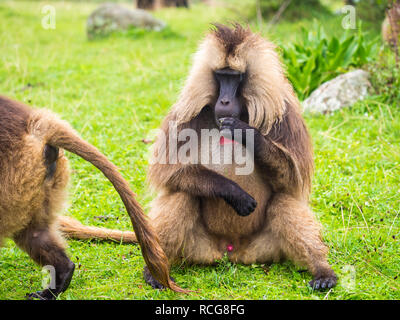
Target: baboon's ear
x,y
50,155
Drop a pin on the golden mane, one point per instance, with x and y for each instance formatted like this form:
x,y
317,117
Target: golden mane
x,y
266,90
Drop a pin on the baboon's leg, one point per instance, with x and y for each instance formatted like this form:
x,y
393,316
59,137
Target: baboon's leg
x,y
45,247
176,217
292,232
293,225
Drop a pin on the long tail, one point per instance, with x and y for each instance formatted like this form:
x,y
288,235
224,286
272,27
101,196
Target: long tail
x,y
73,229
59,133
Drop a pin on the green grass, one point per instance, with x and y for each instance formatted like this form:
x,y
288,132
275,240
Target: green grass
x,y
114,91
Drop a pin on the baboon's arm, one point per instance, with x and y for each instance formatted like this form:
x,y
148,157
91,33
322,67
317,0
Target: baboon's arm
x,y
199,181
278,164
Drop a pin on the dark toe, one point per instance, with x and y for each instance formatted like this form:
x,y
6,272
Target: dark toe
x,y
323,283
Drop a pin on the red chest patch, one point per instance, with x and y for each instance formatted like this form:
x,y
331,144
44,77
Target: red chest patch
x,y
224,140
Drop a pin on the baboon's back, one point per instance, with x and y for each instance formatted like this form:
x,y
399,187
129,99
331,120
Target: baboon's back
x,y
13,121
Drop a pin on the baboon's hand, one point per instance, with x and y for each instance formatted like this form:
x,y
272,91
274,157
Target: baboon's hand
x,y
240,201
230,126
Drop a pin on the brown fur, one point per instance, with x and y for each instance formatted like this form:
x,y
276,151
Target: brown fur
x,y
75,230
229,38
30,199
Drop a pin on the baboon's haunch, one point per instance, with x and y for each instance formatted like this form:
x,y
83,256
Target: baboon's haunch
x,y
205,210
34,176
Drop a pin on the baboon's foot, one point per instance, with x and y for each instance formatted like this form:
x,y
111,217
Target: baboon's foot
x,y
62,282
46,294
151,281
324,281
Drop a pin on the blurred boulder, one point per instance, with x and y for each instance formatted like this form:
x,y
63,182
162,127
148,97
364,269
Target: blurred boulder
x,y
342,91
110,17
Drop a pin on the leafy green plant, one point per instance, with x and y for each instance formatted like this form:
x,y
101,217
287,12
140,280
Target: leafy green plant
x,y
318,58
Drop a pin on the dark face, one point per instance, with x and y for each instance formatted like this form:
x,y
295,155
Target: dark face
x,y
229,103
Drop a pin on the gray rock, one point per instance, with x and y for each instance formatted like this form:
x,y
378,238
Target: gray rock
x,y
110,17
342,91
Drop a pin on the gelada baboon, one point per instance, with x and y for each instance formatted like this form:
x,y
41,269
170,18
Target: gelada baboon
x,y
203,211
34,176
206,210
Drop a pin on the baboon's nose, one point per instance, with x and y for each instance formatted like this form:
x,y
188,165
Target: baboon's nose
x,y
225,101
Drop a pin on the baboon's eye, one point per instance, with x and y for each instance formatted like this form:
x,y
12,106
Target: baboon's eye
x,y
50,155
